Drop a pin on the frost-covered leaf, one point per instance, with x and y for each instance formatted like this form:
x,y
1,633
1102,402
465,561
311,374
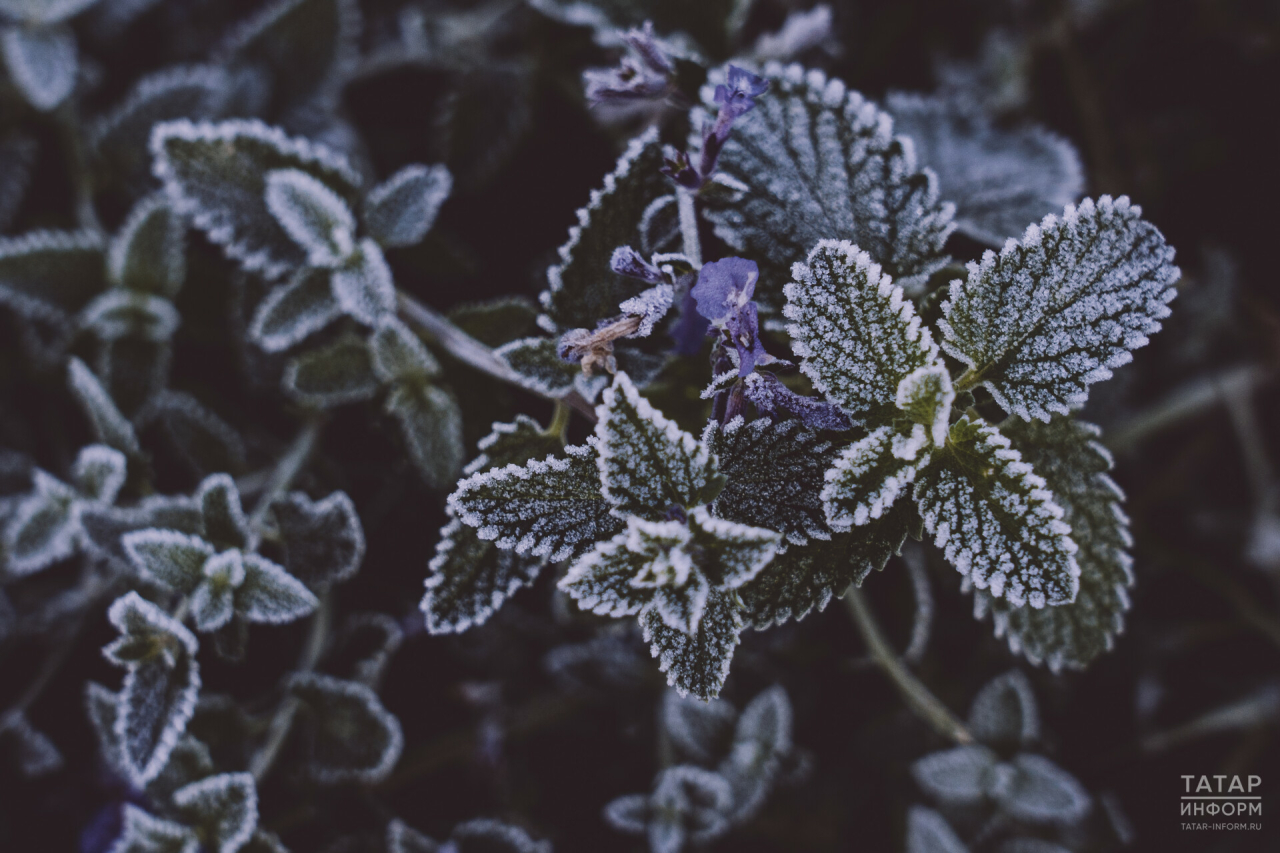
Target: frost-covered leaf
x,y
495,322
925,397
853,328
1075,465
271,595
814,161
134,369
470,579
550,508
688,804
223,807
646,462
102,708
999,179
335,374
45,12
225,524
484,835
148,254
263,841
959,776
31,748
872,473
582,288
697,664
160,687
760,743
110,427
50,274
216,174
538,362
929,832
1004,712
189,762
431,423
402,838
104,527
514,443
323,540
1052,314
996,521
351,737
1034,789
145,833
701,731
292,311
44,527
774,473
201,438
399,355
316,217
363,286
401,210
42,62
213,601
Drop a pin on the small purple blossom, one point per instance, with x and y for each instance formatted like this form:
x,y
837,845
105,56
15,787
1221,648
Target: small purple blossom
x,y
736,97
627,261
691,329
723,294
769,395
644,74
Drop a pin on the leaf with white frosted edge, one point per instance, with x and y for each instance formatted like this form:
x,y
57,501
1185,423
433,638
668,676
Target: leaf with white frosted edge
x,y
538,363
216,175
646,462
323,540
121,313
401,210
856,333
995,520
925,397
99,472
650,306
145,833
582,288
104,527
815,160
109,425
33,751
160,687
999,178
189,762
1057,311
224,807
1074,464
335,374
201,438
929,832
292,311
43,12
485,835
44,527
688,804
958,776
270,595
316,217
601,581
50,273
134,370
148,254
1004,712
470,579
1034,789
628,813
42,63
700,731
402,838
513,443
697,664
730,553
431,423
398,354
760,743
213,602
872,473
102,708
351,737
225,524
364,287
774,472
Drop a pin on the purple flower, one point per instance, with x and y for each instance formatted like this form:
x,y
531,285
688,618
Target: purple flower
x,y
769,395
736,96
724,287
627,261
643,74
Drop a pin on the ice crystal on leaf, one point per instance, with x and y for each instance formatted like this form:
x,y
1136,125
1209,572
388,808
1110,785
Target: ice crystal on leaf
x,y
872,473
689,805
401,210
314,216
223,808
145,833
929,832
1057,311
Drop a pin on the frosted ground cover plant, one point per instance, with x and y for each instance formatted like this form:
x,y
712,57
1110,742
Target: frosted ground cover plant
x,y
323,530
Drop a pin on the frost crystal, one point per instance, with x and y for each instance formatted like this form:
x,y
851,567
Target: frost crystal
x,y
1052,314
314,216
323,540
41,61
871,474
224,807
401,210
144,833
332,375
293,311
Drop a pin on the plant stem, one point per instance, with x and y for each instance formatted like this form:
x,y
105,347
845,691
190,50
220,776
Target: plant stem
x,y
927,706
559,422
968,380
282,721
286,470
468,350
689,226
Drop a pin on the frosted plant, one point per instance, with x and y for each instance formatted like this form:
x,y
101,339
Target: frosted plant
x,y
39,48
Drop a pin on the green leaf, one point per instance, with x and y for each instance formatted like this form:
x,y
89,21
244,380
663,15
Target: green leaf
x,y
470,579
996,521
295,310
760,743
539,365
225,524
1075,465
401,210
601,581
646,462
497,321
855,331
316,217
323,540
270,595
42,62
216,175
148,254
1035,790
513,444
202,439
213,602
120,313
104,527
399,355
925,396
431,424
224,807
169,557
929,832
364,287
872,473
697,664
44,527
110,427
582,288
350,736
145,833
1056,312
959,777
335,374
50,272
814,161
1004,714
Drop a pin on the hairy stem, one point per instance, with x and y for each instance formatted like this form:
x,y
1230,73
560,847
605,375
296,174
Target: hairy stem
x,y
968,380
689,226
927,706
467,349
559,422
282,721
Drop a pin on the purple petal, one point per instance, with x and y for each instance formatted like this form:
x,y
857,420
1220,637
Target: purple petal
x,y
691,329
769,395
627,261
724,287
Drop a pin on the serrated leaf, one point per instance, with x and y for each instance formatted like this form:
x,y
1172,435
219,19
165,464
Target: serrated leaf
x,y
816,161
701,731
42,62
929,832
996,521
352,738
688,804
110,427
216,175
225,524
44,527
539,365
697,664
224,807
104,527
148,254
999,178
270,595
323,540
295,310
959,776
45,273
872,473
513,444
1075,465
399,355
401,210
1004,712
364,287
602,580
497,321
145,833
582,288
160,687
316,217
470,579
646,462
1056,312
853,328
335,374
431,423
774,473
1036,790
760,743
